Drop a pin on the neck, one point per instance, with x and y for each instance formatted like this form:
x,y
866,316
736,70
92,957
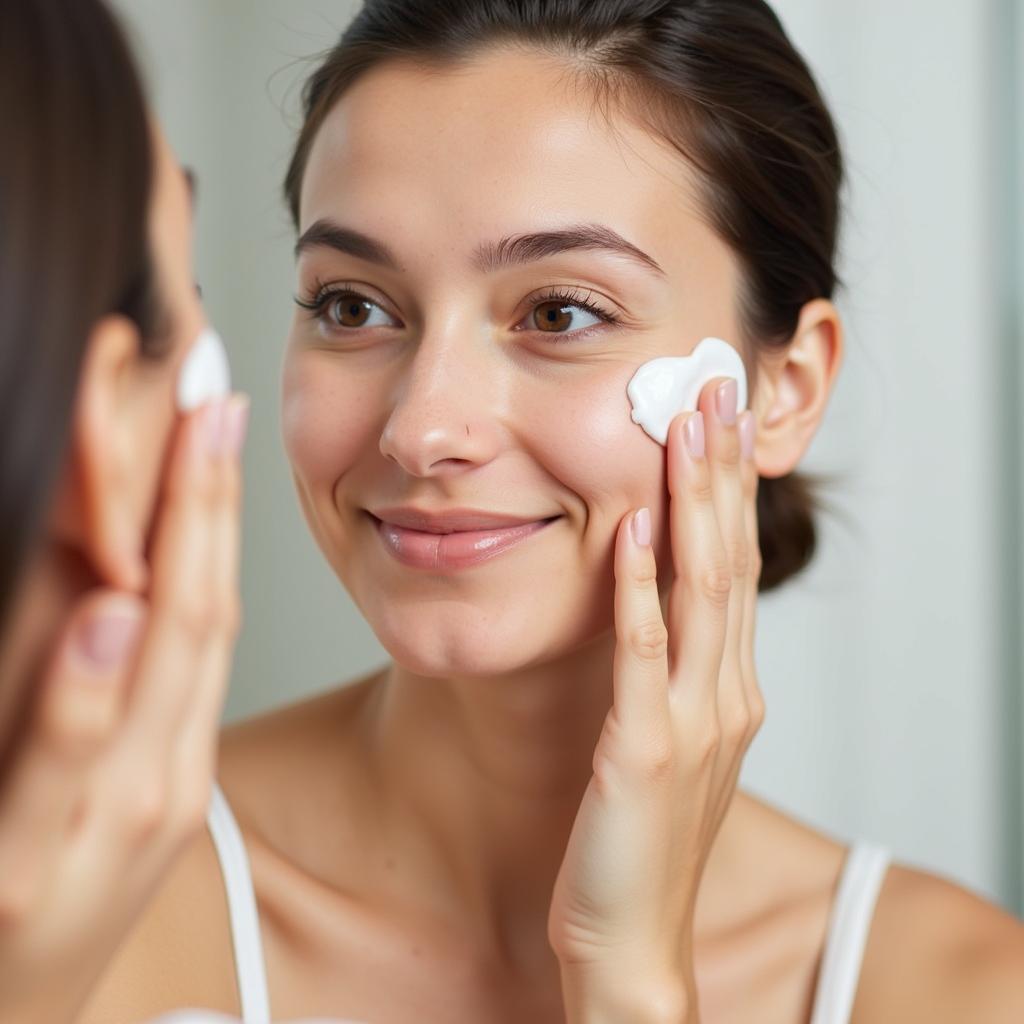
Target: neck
x,y
488,774
480,780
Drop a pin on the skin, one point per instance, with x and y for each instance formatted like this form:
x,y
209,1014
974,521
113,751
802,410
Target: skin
x,y
112,774
407,832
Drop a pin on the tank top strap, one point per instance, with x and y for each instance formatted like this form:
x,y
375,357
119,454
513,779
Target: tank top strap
x,y
848,928
242,910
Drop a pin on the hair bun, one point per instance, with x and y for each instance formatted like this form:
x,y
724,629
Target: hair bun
x,y
786,532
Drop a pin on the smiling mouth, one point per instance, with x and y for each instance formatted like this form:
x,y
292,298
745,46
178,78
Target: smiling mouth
x,y
435,543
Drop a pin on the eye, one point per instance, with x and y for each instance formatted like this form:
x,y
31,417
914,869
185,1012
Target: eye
x,y
349,309
559,317
342,308
567,313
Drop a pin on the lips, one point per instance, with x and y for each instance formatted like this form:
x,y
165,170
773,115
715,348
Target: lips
x,y
453,539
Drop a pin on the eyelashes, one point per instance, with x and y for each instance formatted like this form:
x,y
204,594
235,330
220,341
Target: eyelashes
x,y
324,305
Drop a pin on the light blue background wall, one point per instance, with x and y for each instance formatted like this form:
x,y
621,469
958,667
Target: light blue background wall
x,y
892,670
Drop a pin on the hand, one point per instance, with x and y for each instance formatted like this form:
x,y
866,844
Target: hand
x,y
686,707
115,771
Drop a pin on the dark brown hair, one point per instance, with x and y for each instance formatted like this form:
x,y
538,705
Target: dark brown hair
x,y
76,168
722,82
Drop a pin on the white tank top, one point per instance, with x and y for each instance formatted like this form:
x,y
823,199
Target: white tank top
x,y
849,923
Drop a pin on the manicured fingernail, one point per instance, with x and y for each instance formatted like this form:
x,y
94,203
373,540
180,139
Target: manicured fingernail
x,y
105,640
693,434
726,400
642,527
748,432
236,424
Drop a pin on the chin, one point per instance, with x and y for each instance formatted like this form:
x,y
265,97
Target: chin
x,y
452,639
454,652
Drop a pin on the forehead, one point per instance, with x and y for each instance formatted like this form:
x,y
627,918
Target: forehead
x,y
505,142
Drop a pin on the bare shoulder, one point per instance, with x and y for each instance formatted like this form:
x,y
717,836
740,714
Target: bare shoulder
x,y
939,953
178,953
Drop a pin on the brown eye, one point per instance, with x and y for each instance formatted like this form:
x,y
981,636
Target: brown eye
x,y
553,316
351,310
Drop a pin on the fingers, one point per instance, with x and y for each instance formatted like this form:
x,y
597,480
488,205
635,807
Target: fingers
x,y
195,748
699,600
203,715
641,650
719,405
193,598
79,708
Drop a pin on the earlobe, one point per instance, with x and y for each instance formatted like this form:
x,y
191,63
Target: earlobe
x,y
798,383
102,455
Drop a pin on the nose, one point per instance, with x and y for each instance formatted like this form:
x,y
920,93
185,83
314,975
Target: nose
x,y
446,417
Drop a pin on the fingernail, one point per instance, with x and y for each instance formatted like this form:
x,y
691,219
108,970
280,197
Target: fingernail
x,y
726,400
693,434
236,424
105,641
748,433
213,426
642,527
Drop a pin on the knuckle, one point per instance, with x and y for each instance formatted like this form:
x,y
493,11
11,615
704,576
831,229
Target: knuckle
x,y
146,809
646,573
739,558
706,747
659,762
606,773
735,727
195,617
701,488
715,583
755,562
649,640
729,455
757,712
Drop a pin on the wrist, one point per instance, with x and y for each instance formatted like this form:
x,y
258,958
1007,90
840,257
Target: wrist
x,y
627,997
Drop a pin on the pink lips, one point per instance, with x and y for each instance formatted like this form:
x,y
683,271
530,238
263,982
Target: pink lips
x,y
455,539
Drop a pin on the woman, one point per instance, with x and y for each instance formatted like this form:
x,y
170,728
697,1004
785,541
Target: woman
x,y
119,516
504,208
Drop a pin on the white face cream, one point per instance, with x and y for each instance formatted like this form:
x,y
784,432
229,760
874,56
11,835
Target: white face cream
x,y
205,373
662,388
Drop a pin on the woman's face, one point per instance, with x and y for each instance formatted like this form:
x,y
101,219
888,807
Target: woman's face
x,y
456,363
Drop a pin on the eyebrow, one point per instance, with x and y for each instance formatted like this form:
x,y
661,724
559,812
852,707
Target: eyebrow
x,y
513,250
327,233
518,249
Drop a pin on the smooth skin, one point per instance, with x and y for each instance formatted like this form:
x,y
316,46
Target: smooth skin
x,y
134,592
454,837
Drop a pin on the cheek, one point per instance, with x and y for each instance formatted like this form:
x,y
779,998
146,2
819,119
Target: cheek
x,y
326,425
591,445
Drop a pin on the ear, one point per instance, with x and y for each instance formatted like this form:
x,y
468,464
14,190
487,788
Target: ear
x,y
793,389
97,508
